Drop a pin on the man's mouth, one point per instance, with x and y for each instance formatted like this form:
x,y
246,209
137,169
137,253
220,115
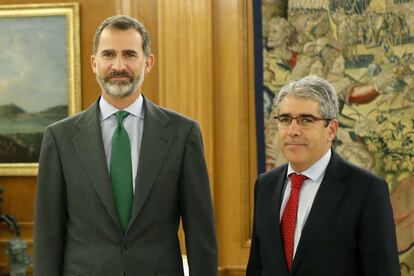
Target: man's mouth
x,y
294,144
118,77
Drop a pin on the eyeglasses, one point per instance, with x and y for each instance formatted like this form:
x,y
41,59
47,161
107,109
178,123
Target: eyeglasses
x,y
303,121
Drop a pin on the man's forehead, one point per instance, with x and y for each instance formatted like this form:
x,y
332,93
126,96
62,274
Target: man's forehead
x,y
117,37
112,29
295,105
295,100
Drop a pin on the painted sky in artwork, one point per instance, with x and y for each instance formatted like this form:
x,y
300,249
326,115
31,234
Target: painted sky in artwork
x,y
33,62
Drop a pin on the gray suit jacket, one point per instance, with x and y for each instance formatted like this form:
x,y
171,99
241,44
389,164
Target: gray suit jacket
x,y
77,230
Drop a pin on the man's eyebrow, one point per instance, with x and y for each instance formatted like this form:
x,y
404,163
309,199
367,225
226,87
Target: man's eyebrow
x,y
108,51
129,52
298,115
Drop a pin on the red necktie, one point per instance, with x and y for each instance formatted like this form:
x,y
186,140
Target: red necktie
x,y
288,222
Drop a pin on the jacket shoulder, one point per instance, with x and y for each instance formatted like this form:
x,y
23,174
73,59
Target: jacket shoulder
x,y
167,116
70,120
271,177
70,123
176,116
358,172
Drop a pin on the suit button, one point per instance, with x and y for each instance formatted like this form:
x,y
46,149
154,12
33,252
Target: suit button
x,y
125,247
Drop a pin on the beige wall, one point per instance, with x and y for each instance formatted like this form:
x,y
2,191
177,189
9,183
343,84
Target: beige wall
x,y
204,68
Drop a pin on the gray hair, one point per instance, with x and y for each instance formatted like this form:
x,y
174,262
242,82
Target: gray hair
x,y
123,22
311,88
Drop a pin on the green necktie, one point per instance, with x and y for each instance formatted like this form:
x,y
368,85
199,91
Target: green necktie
x,y
121,170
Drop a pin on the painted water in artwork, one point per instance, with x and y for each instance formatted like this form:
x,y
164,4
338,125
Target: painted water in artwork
x,y
365,48
33,83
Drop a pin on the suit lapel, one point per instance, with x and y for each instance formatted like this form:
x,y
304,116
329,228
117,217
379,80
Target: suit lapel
x,y
327,197
268,205
89,147
156,139
278,198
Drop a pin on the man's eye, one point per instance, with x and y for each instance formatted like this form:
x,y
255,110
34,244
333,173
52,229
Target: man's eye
x,y
285,119
130,55
307,120
107,54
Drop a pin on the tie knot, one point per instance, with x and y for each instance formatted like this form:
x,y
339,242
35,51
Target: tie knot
x,y
120,116
297,180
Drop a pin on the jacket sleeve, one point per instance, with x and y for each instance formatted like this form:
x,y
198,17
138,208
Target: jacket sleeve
x,y
196,209
377,239
50,210
254,265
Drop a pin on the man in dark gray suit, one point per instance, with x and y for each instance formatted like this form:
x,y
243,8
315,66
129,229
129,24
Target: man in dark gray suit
x,y
115,179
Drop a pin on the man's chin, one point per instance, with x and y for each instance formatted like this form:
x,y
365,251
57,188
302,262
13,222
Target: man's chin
x,y
118,91
294,157
118,82
119,95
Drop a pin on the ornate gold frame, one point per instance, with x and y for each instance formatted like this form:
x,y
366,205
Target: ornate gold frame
x,y
71,12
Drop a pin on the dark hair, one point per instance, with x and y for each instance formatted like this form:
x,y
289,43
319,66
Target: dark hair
x,y
124,22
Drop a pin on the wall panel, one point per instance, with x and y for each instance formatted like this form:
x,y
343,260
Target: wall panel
x,y
234,132
185,62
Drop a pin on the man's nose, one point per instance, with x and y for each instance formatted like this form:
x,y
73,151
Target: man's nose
x,y
118,64
294,128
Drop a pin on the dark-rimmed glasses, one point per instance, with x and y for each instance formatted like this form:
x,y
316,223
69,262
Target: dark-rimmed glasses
x,y
303,121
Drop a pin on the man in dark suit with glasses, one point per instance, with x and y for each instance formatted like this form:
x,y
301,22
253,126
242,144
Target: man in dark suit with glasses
x,y
318,215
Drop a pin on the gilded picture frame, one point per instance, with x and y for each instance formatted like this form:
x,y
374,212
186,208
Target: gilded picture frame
x,y
39,78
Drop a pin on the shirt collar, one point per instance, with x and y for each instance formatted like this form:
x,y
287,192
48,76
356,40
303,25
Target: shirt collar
x,y
107,110
315,171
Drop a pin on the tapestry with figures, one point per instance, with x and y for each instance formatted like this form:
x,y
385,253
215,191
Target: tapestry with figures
x,y
365,48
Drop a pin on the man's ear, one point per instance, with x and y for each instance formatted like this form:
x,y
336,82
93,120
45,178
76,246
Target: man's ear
x,y
149,62
333,129
93,63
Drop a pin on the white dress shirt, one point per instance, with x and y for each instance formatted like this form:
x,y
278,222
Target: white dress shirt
x,y
308,191
134,125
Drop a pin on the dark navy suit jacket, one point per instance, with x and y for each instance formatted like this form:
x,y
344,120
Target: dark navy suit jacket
x,y
349,230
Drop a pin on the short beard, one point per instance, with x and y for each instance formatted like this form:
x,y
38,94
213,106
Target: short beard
x,y
119,89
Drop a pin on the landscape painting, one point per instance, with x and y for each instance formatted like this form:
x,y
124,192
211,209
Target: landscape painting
x,y
39,79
